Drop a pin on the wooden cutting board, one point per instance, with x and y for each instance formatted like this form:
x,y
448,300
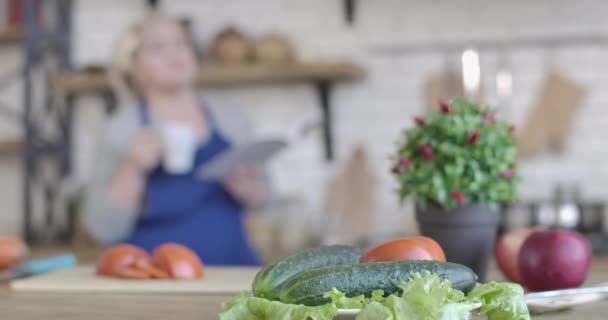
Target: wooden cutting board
x,y
447,84
548,127
351,198
217,280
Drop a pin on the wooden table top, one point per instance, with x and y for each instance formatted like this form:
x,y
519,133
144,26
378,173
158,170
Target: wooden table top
x,y
21,306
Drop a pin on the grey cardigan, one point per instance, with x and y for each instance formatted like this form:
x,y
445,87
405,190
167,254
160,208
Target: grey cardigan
x,y
108,223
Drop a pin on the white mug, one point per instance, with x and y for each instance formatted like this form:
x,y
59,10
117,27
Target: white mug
x,y
179,146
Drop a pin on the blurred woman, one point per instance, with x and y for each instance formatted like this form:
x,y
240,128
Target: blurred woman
x,y
135,197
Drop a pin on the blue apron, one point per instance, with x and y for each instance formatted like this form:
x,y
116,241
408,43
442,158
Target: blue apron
x,y
199,214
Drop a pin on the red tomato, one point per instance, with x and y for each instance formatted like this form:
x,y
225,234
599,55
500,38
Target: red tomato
x,y
12,250
118,258
178,261
151,270
131,273
416,248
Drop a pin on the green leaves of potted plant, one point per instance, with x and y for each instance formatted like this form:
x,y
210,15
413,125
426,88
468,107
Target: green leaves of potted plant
x,y
458,165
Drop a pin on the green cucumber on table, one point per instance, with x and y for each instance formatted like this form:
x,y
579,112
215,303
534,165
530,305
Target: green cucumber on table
x,y
270,280
308,287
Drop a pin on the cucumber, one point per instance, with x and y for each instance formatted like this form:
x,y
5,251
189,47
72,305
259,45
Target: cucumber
x,y
268,282
363,278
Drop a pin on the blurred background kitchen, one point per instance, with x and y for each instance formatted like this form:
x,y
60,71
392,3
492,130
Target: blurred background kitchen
x,y
366,67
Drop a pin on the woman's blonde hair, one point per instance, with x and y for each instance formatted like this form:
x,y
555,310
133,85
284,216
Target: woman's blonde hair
x,y
125,49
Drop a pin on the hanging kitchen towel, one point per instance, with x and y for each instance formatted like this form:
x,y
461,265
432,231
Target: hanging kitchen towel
x,y
547,128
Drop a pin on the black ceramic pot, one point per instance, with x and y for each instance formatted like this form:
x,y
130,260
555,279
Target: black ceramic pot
x,y
466,234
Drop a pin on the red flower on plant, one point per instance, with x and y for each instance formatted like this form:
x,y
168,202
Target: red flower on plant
x,y
404,163
507,174
458,197
473,137
395,170
445,105
489,118
427,152
420,122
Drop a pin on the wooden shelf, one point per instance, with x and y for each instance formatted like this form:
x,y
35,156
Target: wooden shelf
x,y
10,146
10,36
214,75
320,75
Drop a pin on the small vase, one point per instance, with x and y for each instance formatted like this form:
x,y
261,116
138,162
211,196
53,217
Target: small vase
x,y
467,234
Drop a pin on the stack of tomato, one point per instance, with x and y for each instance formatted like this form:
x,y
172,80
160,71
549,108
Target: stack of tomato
x,y
168,261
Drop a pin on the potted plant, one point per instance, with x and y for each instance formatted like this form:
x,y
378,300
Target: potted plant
x,y
458,165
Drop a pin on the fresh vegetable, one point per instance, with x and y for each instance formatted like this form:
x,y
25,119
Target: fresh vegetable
x,y
131,262
355,279
270,280
131,273
178,261
248,307
507,250
423,296
500,301
12,250
341,301
554,259
428,297
151,270
415,248
117,259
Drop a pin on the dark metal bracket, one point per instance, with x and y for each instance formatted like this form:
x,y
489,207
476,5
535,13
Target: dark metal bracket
x,y
324,94
350,8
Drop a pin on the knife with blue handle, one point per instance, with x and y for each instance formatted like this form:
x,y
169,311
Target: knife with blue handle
x,y
39,266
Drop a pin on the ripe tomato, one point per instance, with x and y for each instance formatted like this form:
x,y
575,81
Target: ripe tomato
x,y
119,257
151,270
12,250
415,248
178,261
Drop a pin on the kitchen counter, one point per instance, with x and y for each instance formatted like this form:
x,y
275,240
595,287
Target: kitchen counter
x,y
107,306
18,306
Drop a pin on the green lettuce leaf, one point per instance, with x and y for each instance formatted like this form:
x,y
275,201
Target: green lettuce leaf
x,y
248,307
500,301
339,299
375,310
456,311
397,308
430,291
424,297
378,296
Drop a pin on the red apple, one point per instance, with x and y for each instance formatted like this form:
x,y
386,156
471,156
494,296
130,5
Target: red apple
x,y
507,249
554,259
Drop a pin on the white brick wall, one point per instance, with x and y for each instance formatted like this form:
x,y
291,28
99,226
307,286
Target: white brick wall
x,y
374,111
96,25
